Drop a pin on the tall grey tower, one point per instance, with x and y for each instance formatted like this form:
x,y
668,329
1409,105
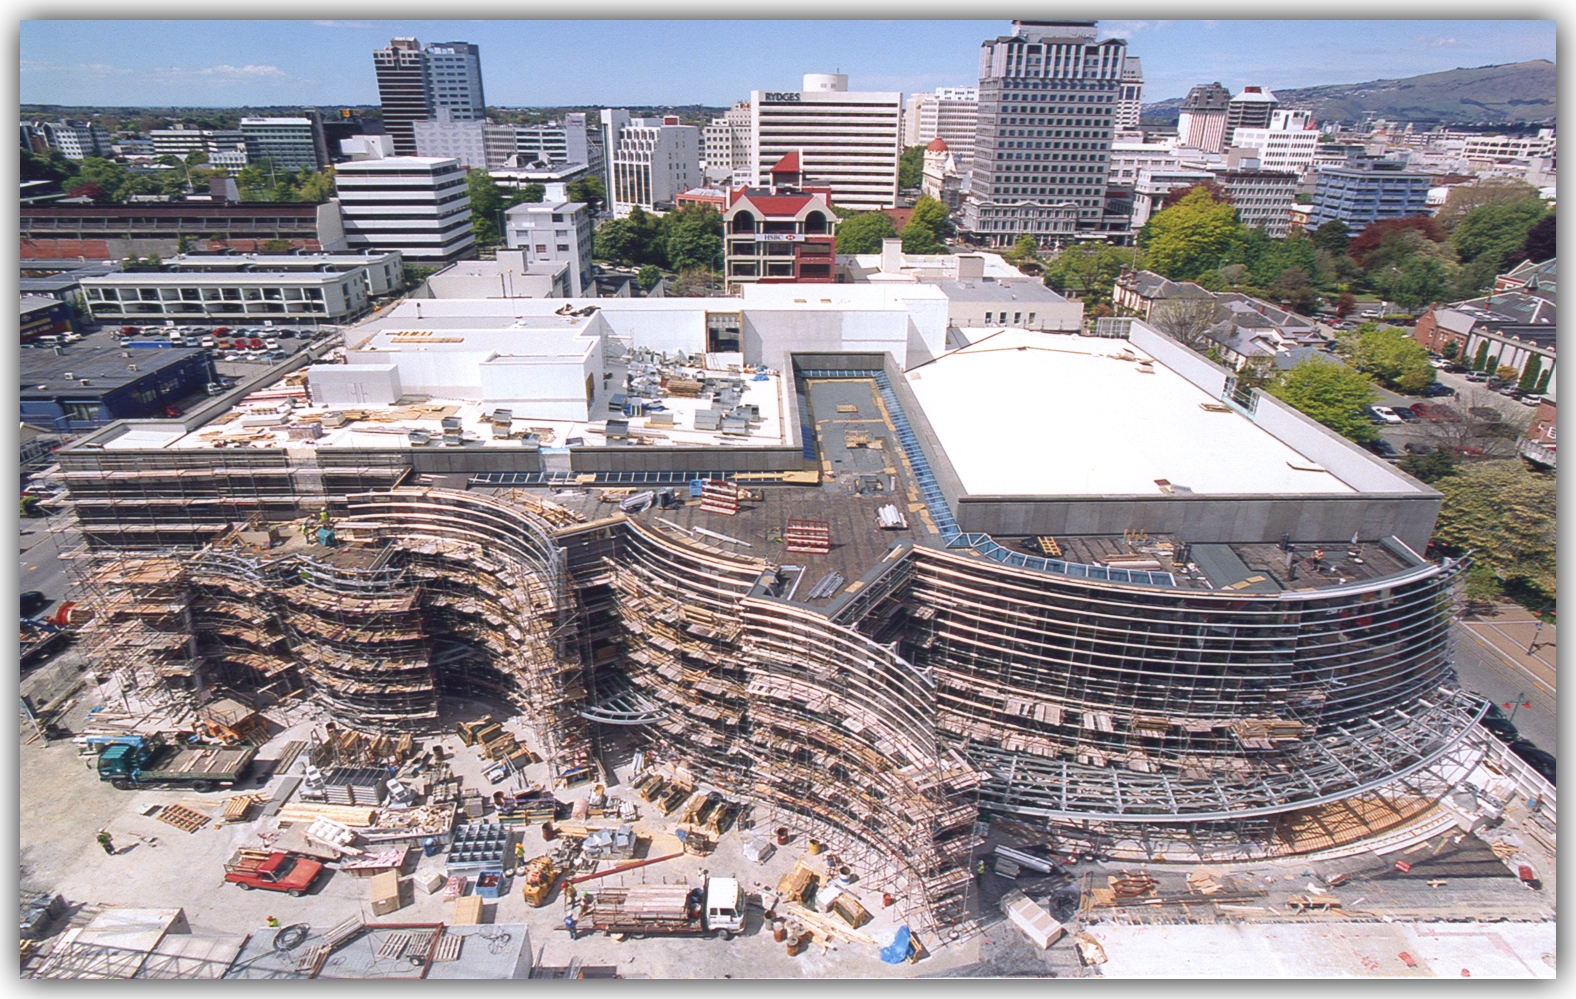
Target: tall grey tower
x,y
1048,100
413,82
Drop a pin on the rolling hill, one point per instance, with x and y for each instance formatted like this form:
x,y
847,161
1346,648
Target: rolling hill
x,y
1508,93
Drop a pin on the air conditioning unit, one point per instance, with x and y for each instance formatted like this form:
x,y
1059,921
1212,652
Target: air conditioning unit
x,y
131,367
68,376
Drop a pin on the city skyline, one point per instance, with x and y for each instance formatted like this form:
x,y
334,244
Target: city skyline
x,y
262,63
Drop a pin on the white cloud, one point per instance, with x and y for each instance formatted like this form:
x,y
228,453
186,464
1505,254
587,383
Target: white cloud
x,y
345,24
97,70
1437,43
1127,29
222,74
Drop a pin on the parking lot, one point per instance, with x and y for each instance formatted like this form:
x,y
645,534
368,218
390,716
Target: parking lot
x,y
1473,400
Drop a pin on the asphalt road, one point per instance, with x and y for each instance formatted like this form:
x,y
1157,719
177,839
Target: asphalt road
x,y
1484,671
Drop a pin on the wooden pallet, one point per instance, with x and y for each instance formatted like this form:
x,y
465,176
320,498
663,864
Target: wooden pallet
x,y
183,818
394,946
311,961
448,948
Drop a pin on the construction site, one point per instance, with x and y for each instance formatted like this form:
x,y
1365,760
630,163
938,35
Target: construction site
x,y
846,630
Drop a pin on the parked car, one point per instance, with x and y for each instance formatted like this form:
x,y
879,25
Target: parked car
x,y
1383,414
1406,414
287,334
129,331
70,337
33,601
1382,448
1434,411
1412,447
1510,391
256,343
1495,721
206,341
1438,389
1525,400
271,343
1477,376
1537,759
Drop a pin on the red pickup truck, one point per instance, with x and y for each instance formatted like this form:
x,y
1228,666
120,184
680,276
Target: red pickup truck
x,y
275,871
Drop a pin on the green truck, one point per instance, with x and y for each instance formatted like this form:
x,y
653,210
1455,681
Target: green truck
x,y
151,762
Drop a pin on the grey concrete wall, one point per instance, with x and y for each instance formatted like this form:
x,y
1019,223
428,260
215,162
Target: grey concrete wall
x,y
686,459
1193,366
449,460
1353,465
1209,519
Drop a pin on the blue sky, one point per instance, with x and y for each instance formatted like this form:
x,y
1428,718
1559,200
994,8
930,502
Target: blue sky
x,y
524,63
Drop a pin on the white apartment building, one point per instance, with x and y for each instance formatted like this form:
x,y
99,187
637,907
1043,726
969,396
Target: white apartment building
x,y
184,141
1128,158
1501,148
951,114
384,272
725,148
650,161
847,140
324,296
1152,186
1287,145
1130,100
77,140
417,205
572,140
475,144
1254,107
552,231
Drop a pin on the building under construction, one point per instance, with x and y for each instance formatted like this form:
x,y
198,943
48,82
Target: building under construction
x,y
929,596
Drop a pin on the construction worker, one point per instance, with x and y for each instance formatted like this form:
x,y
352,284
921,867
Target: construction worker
x,y
519,854
105,841
273,920
569,924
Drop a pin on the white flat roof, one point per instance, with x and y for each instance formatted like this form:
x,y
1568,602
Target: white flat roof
x,y
1049,414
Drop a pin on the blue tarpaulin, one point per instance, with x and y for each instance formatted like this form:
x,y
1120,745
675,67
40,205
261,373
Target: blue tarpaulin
x,y
897,951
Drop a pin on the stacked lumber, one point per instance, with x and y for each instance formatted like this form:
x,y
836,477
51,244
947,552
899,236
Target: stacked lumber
x,y
824,928
354,816
183,818
236,807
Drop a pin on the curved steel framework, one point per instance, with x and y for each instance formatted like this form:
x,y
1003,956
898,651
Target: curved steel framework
x,y
946,683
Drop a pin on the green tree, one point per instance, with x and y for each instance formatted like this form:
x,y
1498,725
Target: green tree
x,y
616,242
648,277
486,203
1333,235
1539,244
1429,467
864,232
1495,232
415,274
589,190
692,238
1413,283
1088,271
316,188
927,228
529,194
276,246
1293,288
1482,586
111,180
1480,360
1504,513
1024,249
196,157
911,167
1543,382
51,166
1531,373
1191,236
1344,304
1464,199
1331,393
1388,354
1452,350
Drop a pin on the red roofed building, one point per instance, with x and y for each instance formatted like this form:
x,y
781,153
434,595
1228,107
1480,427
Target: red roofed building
x,y
782,233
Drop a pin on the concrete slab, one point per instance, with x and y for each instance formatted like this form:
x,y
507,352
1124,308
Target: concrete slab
x,y
1329,950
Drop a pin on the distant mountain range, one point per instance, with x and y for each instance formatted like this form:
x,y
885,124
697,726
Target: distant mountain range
x,y
1509,93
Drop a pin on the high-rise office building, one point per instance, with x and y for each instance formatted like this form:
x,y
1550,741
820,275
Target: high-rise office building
x,y
413,82
1130,105
1048,102
1202,123
951,114
846,140
1250,109
726,148
1288,144
76,140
